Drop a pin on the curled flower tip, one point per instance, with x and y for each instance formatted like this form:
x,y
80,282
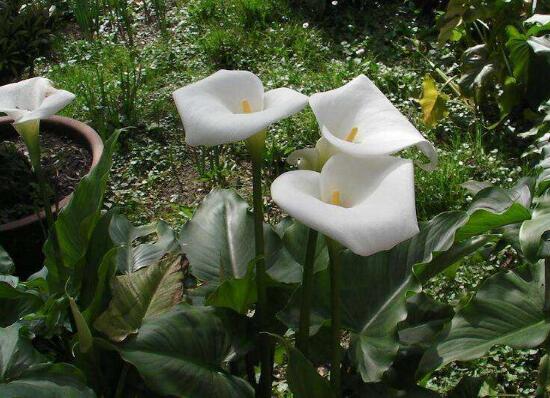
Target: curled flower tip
x,y
335,200
246,106
352,135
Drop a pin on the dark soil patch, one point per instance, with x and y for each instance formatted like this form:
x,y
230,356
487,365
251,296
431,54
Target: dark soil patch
x,y
64,162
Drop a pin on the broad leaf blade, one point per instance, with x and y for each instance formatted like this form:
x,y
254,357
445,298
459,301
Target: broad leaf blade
x,y
507,310
24,372
180,353
76,222
141,295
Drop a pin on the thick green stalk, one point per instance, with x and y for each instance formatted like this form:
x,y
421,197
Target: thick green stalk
x,y
256,145
547,284
29,131
307,291
336,320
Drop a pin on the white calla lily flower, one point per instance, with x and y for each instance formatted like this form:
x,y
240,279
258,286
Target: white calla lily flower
x,y
32,99
230,106
29,101
359,120
366,204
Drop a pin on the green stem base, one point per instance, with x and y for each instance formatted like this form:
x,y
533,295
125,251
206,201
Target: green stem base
x,y
336,320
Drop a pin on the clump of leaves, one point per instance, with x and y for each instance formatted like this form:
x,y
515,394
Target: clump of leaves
x,y
25,34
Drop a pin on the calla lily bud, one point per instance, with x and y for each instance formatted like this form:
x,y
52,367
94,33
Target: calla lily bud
x,y
366,204
231,106
312,158
359,120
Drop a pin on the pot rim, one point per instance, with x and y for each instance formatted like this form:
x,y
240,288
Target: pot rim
x,y
76,129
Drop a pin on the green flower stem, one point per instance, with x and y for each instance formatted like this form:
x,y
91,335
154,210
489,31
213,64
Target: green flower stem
x,y
256,146
307,291
29,131
547,284
336,320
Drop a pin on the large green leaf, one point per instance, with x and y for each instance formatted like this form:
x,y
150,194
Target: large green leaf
x,y
131,258
219,239
534,234
141,295
100,244
506,310
24,372
76,223
425,319
303,379
6,263
219,243
374,288
373,295
16,301
181,352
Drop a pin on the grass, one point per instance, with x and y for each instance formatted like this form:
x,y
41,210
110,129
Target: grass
x,y
156,176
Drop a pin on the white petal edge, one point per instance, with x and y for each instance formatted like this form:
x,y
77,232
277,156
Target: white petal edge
x,y
384,217
211,113
382,129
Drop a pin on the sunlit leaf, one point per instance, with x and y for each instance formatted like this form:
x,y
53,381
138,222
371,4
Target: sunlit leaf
x,y
433,102
506,310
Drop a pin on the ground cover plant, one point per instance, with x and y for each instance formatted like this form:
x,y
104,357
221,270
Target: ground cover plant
x,y
196,305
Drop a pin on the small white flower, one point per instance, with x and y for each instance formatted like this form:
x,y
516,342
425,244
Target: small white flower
x,y
334,3
305,25
361,51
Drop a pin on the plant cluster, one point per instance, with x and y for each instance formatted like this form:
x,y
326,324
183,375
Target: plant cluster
x,y
25,34
507,53
123,310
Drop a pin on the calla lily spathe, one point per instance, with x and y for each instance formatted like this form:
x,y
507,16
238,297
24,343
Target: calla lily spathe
x,y
359,120
32,99
230,106
375,205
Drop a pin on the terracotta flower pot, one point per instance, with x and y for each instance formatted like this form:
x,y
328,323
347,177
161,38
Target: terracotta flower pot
x,y
23,238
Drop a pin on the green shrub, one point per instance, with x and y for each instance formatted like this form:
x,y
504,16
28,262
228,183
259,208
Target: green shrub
x,y
222,47
25,34
87,14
